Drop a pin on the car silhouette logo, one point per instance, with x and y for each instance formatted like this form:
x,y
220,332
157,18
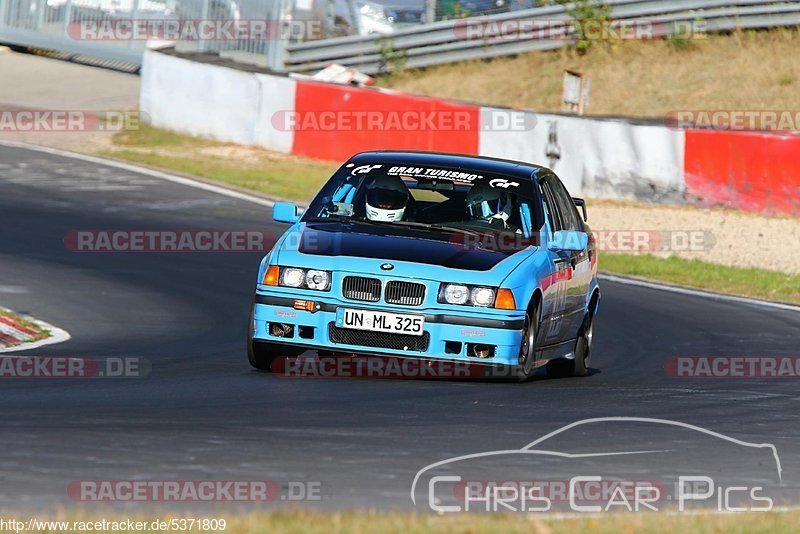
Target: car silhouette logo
x,y
387,266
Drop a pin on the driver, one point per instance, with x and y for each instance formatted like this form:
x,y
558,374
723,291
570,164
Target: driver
x,y
386,199
488,204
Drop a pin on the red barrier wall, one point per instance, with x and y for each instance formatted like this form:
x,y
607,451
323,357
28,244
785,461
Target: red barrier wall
x,y
745,170
314,102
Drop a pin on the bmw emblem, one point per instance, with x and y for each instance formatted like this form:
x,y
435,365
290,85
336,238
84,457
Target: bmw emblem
x,y
387,266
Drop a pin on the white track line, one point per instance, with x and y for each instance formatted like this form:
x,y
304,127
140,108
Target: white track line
x,y
698,292
143,170
221,190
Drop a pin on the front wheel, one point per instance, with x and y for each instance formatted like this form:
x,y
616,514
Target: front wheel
x,y
563,368
257,354
262,355
527,350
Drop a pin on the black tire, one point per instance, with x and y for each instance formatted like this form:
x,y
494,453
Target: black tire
x,y
527,350
579,366
262,354
258,354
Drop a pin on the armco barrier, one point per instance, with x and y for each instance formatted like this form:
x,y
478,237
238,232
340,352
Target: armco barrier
x,y
602,158
750,171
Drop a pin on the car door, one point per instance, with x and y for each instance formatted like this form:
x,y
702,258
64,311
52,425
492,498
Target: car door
x,y
553,285
578,279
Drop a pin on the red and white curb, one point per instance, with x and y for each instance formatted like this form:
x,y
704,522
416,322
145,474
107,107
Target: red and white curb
x,y
15,336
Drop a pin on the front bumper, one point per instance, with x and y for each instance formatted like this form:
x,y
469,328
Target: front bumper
x,y
448,335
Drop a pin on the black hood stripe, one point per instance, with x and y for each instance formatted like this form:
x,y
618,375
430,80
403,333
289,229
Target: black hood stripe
x,y
402,244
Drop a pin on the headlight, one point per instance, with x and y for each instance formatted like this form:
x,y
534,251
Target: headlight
x,y
482,296
318,279
455,294
292,277
295,277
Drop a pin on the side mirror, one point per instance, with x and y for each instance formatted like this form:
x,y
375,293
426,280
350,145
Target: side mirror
x,y
285,212
582,205
569,240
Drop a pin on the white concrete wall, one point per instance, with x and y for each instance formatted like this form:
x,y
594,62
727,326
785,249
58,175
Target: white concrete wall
x,y
599,158
215,102
277,98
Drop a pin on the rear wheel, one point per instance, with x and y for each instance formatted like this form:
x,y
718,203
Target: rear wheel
x,y
563,368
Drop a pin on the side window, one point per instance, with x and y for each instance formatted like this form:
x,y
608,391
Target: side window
x,y
551,207
569,213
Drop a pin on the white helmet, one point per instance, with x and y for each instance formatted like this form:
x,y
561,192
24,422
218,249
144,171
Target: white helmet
x,y
386,200
489,204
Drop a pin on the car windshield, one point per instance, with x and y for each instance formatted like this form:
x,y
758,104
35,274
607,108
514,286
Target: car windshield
x,y
431,199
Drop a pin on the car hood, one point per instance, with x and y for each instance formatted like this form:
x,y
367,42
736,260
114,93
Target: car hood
x,y
413,253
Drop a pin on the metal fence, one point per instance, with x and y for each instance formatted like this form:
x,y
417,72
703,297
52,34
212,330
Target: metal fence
x,y
371,35
502,34
119,30
259,30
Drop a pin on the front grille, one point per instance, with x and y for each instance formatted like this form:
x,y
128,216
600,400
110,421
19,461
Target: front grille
x,y
360,288
382,340
405,293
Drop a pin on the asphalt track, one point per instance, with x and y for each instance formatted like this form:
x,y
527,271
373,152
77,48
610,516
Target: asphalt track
x,y
203,413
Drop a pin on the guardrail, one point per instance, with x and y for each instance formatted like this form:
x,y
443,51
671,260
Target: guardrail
x,y
51,24
446,42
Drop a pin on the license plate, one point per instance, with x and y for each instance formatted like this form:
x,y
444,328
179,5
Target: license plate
x,y
378,321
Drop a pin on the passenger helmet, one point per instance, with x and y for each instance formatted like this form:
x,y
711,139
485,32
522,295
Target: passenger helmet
x,y
489,204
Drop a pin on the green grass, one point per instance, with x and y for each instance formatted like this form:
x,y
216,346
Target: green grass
x,y
298,522
147,136
277,175
647,78
510,523
758,283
